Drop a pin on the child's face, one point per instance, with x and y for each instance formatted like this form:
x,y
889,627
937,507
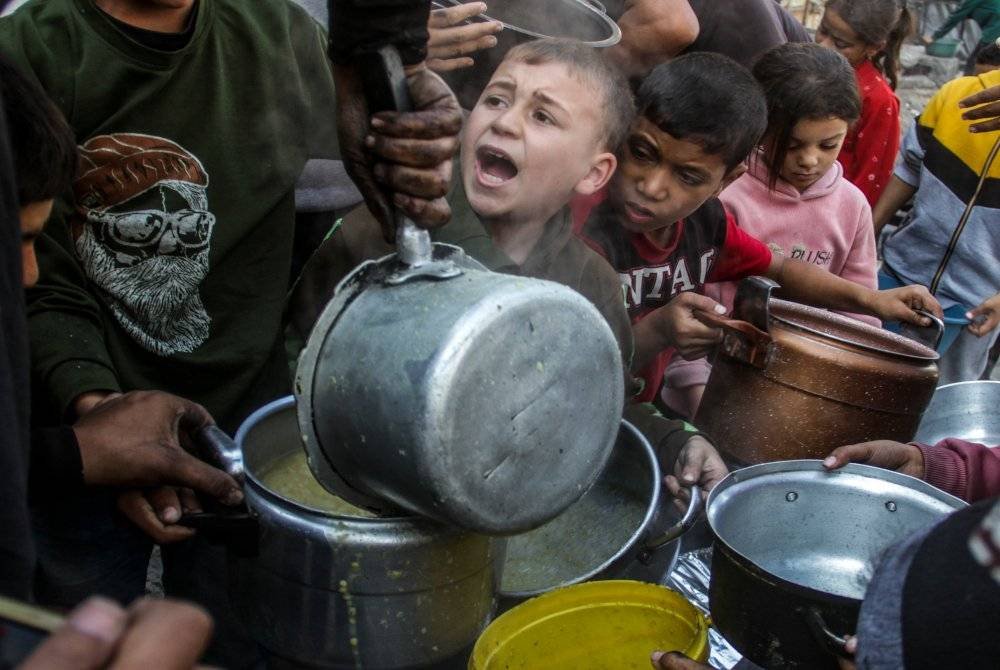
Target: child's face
x,y
812,150
834,33
663,179
33,217
532,140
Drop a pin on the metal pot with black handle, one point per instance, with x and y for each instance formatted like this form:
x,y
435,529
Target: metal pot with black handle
x,y
430,384
320,583
795,547
790,381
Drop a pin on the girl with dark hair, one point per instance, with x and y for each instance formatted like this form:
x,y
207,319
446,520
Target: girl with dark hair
x,y
869,34
794,196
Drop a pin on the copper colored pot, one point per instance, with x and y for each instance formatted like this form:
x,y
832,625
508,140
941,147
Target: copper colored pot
x,y
791,381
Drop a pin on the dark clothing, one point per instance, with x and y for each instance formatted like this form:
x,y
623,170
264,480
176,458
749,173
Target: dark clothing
x,y
56,467
966,470
17,550
740,29
157,40
362,26
743,29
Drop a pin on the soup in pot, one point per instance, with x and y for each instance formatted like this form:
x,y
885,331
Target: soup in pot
x,y
290,478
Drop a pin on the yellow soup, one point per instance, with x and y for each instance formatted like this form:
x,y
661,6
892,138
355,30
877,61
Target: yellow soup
x,y
290,478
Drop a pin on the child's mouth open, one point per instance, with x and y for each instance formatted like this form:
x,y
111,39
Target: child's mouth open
x,y
494,167
638,214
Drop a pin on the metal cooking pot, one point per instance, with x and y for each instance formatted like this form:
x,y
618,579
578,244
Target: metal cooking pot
x,y
624,527
479,399
337,591
966,410
791,381
523,21
795,548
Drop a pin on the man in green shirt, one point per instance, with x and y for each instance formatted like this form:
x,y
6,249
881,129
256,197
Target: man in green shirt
x,y
167,266
986,13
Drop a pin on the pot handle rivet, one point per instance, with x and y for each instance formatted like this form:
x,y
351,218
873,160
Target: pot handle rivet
x,y
791,496
891,506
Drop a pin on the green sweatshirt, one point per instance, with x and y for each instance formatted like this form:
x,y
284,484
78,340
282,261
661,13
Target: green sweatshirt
x,y
168,266
984,12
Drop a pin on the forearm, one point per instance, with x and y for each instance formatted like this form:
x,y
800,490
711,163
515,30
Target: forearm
x,y
896,194
807,283
648,341
653,31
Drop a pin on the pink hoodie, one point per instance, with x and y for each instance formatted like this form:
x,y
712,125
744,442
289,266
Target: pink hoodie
x,y
829,224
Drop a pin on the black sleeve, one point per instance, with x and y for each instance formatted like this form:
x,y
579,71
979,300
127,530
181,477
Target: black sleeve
x,y
364,26
56,466
794,31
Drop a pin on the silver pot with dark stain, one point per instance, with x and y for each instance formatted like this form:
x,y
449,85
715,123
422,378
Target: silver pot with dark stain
x,y
326,589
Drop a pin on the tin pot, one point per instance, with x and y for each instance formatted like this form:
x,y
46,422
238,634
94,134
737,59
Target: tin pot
x,y
795,547
624,527
325,590
966,410
523,21
790,381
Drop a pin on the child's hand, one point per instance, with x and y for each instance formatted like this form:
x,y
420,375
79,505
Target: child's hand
x,y
898,304
157,511
451,38
986,317
682,330
904,458
698,463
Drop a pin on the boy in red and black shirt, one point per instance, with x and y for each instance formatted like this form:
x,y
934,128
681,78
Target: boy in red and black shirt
x,y
665,232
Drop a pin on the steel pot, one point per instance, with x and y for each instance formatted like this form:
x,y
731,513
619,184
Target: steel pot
x,y
526,20
966,410
795,547
624,527
318,589
791,381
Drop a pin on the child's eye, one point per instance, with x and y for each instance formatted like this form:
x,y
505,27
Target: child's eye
x,y
840,44
543,117
690,178
494,101
828,147
640,152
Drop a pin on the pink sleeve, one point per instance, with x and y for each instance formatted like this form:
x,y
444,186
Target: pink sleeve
x,y
861,265
965,469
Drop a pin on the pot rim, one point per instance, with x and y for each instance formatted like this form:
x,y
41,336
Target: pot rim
x,y
811,465
640,531
270,409
918,352
611,40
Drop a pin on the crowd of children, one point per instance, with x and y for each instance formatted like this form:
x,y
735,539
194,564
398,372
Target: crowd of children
x,y
164,264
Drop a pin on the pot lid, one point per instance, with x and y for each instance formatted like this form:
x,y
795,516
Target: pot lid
x,y
817,529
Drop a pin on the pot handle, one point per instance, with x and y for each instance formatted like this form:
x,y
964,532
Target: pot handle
x,y
752,302
826,638
684,525
925,334
221,451
386,89
741,340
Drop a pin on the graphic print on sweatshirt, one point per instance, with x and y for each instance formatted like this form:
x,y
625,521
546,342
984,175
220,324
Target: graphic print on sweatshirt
x,y
144,236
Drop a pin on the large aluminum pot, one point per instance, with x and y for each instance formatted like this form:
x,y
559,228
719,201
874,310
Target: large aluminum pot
x,y
966,410
791,381
483,400
526,20
795,547
326,590
624,527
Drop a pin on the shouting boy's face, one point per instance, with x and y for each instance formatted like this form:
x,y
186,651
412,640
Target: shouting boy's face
x,y
663,179
533,140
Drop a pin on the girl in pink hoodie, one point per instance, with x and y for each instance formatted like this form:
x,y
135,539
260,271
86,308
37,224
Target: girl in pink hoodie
x,y
794,196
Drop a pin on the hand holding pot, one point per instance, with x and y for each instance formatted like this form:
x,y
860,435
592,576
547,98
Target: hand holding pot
x,y
985,317
157,511
904,458
900,304
452,37
698,463
675,325
407,153
674,660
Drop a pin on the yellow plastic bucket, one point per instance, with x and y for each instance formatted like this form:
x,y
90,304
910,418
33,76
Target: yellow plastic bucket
x,y
605,624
